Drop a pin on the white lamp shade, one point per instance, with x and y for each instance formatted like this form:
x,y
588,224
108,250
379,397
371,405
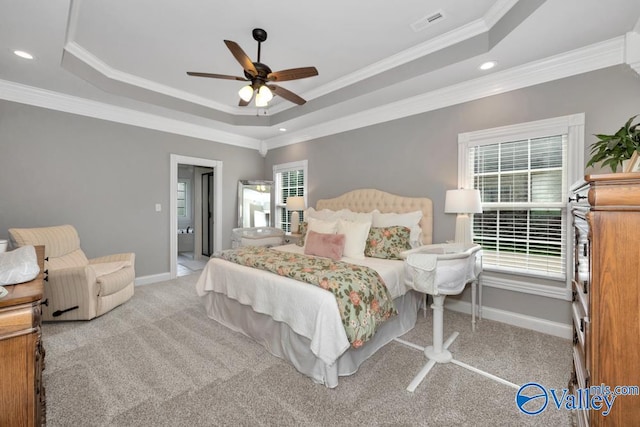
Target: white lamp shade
x,y
246,93
463,201
265,93
295,203
263,96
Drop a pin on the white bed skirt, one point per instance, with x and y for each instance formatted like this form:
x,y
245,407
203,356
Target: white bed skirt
x,y
281,341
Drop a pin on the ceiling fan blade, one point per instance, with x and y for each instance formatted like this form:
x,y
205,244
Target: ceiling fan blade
x,y
216,76
292,74
241,57
286,94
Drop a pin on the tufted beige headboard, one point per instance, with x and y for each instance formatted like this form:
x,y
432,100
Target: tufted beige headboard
x,y
366,200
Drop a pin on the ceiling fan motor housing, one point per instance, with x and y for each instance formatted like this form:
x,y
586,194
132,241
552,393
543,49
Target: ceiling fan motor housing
x,y
260,79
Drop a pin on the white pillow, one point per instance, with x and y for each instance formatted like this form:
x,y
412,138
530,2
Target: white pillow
x,y
324,214
321,226
348,215
410,220
356,234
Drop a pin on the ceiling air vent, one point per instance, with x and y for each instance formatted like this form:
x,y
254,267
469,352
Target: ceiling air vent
x,y
428,20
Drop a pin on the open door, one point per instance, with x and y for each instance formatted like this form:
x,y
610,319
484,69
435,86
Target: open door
x,y
207,213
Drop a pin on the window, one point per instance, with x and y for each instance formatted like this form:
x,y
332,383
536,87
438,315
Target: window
x,y
523,173
290,180
183,198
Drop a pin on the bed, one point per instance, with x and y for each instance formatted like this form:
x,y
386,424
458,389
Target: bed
x,y
300,323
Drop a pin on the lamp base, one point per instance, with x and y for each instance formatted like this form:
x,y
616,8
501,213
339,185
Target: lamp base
x,y
464,232
295,222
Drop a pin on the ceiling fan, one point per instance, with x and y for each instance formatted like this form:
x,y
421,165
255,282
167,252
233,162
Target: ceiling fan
x,y
261,76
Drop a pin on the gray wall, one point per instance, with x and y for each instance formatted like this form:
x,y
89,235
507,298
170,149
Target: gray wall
x,y
417,156
105,179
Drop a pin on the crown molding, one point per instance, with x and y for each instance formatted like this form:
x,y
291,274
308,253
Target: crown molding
x,y
600,55
589,58
632,50
450,38
460,34
38,97
81,54
497,11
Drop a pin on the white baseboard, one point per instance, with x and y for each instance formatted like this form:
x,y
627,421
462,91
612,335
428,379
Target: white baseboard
x,y
557,329
153,278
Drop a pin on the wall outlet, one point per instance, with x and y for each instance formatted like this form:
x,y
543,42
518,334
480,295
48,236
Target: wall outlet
x,y
158,207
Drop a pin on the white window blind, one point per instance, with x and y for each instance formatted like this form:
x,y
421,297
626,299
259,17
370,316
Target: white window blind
x,y
522,186
290,180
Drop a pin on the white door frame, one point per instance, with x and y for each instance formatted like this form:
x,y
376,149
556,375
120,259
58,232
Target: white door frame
x,y
177,159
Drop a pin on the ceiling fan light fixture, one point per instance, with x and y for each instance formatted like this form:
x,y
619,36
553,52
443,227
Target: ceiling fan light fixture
x,y
261,101
263,96
246,92
265,93
259,74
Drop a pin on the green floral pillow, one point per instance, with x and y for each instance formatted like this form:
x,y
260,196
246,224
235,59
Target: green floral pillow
x,y
387,242
303,233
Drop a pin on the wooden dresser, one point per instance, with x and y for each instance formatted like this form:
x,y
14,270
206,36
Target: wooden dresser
x,y
606,292
22,399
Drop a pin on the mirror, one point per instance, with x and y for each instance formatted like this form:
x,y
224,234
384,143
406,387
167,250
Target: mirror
x,y
254,203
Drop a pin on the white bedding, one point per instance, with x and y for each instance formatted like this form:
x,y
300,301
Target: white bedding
x,y
308,310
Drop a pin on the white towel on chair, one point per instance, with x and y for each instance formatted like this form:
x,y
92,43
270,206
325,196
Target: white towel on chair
x,y
18,266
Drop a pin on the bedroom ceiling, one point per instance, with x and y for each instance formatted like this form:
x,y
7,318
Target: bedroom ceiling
x,y
126,61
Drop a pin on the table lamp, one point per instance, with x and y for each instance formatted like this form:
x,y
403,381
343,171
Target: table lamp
x,y
295,204
463,202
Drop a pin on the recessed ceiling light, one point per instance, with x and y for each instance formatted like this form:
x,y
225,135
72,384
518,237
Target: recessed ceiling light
x,y
282,129
488,65
23,54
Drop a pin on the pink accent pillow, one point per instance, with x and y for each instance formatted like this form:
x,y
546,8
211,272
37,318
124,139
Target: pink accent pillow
x,y
324,245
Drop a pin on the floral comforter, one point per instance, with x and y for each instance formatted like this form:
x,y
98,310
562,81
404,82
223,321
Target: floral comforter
x,y
363,299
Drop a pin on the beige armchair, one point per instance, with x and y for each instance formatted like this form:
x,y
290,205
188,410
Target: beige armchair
x,y
78,288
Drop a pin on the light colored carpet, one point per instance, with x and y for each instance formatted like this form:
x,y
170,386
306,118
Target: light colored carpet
x,y
159,361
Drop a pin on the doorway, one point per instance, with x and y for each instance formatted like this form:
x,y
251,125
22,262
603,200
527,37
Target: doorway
x,y
207,213
206,227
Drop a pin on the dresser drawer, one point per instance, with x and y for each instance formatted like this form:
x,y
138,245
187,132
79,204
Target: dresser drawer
x,y
17,320
579,363
581,381
580,295
580,324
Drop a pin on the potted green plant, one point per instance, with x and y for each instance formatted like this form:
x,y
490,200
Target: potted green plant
x,y
612,150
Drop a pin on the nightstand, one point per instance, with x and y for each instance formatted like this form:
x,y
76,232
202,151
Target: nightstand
x,y
292,238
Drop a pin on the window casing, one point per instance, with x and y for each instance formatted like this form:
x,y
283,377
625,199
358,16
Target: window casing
x,y
523,173
290,179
